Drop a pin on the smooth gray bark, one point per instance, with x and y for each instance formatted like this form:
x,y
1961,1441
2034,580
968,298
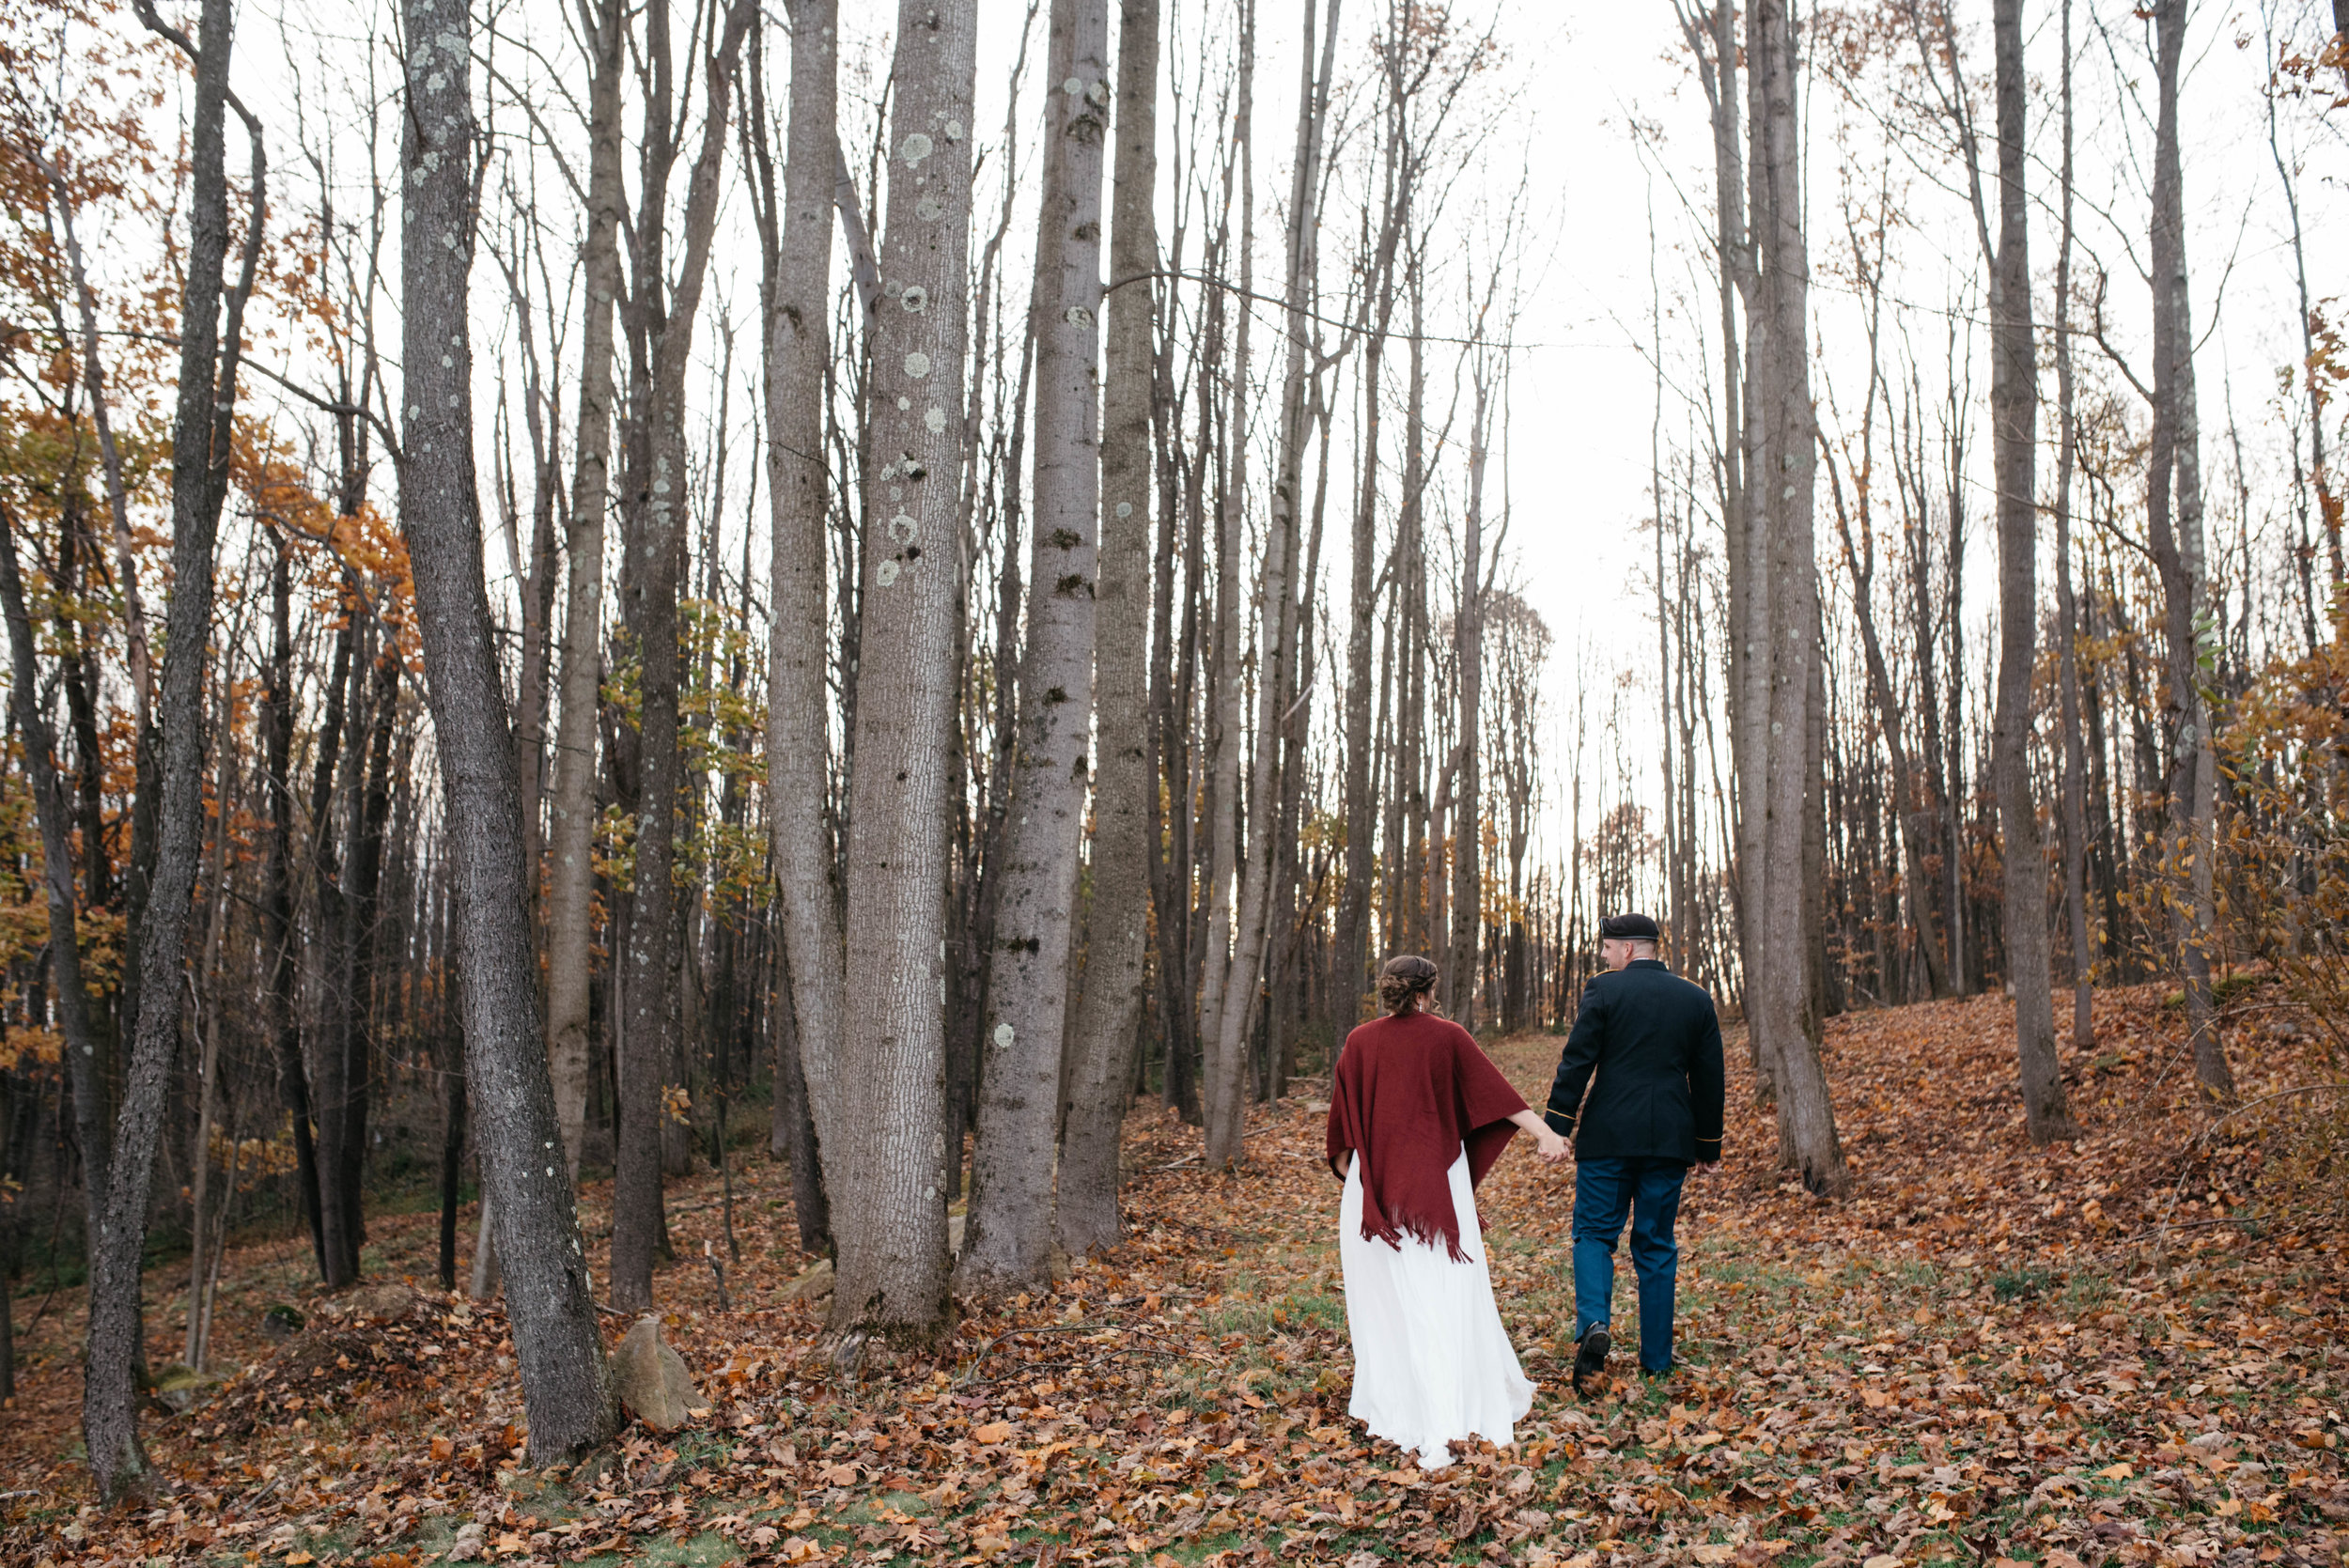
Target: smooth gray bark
x,y
1007,1245
571,871
1102,1042
1782,461
797,288
2067,605
2174,519
883,1137
1234,952
2014,410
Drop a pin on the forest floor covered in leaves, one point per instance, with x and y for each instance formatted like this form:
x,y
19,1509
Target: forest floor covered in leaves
x,y
2128,1350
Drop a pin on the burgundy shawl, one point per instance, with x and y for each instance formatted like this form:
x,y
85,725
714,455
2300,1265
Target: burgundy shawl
x,y
1410,1092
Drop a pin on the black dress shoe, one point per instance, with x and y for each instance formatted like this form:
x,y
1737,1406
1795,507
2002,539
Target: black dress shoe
x,y
1590,1358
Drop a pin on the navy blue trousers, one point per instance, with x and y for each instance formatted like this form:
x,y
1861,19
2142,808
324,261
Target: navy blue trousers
x,y
1646,1191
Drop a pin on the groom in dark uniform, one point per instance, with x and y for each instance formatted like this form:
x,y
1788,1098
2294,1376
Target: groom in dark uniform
x,y
1654,1042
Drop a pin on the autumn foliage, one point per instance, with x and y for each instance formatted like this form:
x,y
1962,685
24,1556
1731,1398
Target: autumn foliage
x,y
2122,1351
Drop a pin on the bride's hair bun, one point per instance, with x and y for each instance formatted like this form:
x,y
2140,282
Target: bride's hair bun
x,y
1405,985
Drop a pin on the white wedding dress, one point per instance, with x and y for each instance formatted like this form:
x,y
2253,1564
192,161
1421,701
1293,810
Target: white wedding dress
x,y
1432,1363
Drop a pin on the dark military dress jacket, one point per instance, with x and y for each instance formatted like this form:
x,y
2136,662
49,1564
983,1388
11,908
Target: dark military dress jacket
x,y
1653,1043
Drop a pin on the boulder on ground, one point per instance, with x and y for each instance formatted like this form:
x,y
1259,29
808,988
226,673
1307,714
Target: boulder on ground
x,y
283,1322
177,1388
654,1382
812,1285
394,1302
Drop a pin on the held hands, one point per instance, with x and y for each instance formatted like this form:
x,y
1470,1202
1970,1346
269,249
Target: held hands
x,y
1553,1149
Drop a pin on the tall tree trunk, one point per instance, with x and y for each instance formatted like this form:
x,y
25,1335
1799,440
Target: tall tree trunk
x,y
203,1235
1711,37
1171,809
1101,1046
2067,605
330,960
1275,617
1353,987
1233,954
654,500
1467,876
571,870
2174,516
370,811
881,1132
2014,406
1785,439
798,300
567,1391
278,920
1007,1245
209,349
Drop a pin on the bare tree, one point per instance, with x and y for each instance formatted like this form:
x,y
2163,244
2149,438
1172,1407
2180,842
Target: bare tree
x,y
1007,1245
796,285
1124,789
2174,518
879,1104
567,1387
211,326
1397,174
571,874
652,488
2176,543
1782,443
2067,605
2014,411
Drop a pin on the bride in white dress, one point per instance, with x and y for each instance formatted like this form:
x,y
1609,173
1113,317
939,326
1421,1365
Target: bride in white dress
x,y
1419,1114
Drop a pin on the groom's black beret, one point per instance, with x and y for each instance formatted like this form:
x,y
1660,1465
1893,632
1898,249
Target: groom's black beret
x,y
1629,929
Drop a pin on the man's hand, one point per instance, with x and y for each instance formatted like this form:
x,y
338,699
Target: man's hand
x,y
1551,1147
1706,1167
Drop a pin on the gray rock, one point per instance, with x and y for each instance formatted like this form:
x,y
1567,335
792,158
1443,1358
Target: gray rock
x,y
177,1388
654,1382
388,1303
812,1285
283,1322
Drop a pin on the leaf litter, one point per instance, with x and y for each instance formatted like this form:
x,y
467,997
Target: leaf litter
x,y
2124,1351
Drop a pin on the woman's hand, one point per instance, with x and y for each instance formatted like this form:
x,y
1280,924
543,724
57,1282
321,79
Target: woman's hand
x,y
1546,1143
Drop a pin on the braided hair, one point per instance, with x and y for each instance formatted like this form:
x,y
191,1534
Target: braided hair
x,y
1407,986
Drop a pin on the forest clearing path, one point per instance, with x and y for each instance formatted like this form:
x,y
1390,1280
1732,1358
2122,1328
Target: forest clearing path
x,y
1987,1353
